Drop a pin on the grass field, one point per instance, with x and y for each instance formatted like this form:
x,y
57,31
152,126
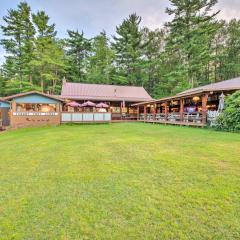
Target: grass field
x,y
119,181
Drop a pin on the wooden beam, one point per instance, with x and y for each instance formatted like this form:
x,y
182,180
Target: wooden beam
x,y
181,108
165,110
154,111
204,108
145,112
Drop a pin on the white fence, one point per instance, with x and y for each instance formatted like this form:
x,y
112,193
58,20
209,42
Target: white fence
x,y
85,117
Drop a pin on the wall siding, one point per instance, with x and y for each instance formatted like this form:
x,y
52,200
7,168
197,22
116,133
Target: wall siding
x,y
4,105
35,98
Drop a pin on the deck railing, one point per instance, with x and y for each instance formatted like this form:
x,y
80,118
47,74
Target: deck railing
x,y
173,117
85,117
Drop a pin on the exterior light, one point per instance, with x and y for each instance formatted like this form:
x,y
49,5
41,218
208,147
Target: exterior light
x,y
196,99
45,108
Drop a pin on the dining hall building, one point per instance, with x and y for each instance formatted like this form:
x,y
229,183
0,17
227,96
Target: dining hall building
x,y
87,103
78,102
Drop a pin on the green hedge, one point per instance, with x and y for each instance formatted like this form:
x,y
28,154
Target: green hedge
x,y
229,120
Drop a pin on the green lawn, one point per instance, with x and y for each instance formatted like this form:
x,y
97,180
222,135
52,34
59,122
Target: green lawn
x,y
119,181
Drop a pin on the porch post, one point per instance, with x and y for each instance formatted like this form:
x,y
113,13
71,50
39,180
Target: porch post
x,y
138,112
165,110
14,106
204,108
154,111
145,112
181,109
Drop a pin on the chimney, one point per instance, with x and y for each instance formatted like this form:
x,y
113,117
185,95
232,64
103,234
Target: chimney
x,y
115,92
64,81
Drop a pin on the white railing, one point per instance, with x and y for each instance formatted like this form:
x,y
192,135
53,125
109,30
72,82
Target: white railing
x,y
173,117
85,117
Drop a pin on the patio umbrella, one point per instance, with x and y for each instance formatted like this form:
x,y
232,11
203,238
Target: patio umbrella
x,y
73,104
221,103
102,105
88,104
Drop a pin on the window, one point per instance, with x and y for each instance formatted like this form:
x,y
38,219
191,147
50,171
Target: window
x,y
33,107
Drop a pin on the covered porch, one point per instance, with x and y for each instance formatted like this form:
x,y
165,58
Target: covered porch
x,y
190,110
92,110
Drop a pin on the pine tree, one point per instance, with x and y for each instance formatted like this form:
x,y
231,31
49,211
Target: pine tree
x,y
101,60
191,32
18,43
128,48
48,60
77,51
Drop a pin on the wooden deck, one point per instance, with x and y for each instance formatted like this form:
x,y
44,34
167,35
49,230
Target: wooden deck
x,y
178,123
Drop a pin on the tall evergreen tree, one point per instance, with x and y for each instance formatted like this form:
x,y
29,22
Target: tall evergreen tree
x,y
18,43
48,54
128,47
101,60
191,31
77,50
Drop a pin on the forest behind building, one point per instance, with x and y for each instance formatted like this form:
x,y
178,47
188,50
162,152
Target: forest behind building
x,y
193,49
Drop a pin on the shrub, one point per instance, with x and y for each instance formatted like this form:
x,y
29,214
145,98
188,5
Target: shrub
x,y
229,120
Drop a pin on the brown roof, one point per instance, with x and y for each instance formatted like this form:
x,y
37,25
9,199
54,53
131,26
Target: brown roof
x,y
100,92
228,85
3,100
33,92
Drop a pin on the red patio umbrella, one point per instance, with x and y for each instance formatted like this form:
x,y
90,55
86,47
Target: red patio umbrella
x,y
73,104
88,104
102,105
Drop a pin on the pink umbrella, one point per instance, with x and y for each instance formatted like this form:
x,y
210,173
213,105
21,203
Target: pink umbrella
x,y
73,104
102,105
88,104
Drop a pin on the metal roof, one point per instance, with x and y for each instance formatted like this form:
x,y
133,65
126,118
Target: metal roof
x,y
227,85
101,92
32,92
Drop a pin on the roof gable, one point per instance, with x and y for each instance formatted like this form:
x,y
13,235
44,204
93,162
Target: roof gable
x,y
34,97
104,92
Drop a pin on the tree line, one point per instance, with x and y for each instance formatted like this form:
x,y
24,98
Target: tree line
x,y
191,50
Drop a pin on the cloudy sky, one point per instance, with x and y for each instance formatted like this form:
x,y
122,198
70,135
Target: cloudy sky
x,y
92,16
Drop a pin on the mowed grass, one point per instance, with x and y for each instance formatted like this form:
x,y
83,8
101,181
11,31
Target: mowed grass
x,y
119,181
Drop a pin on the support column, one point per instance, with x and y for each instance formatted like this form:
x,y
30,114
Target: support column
x,y
165,110
181,109
145,112
154,111
137,112
204,108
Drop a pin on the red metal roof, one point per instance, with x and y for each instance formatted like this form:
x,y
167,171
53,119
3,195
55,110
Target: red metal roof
x,y
33,92
100,92
227,85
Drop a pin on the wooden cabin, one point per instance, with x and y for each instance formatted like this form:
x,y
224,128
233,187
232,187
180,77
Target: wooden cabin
x,y
195,106
33,109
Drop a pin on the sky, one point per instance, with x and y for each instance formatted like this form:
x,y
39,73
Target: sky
x,y
92,16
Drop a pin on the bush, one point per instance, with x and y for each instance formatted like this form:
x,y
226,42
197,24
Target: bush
x,y
229,120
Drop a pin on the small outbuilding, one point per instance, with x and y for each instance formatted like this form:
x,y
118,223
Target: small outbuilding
x,y
33,109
